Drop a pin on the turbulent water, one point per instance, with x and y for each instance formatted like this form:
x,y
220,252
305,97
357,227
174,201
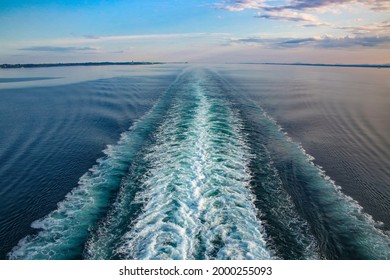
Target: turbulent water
x,y
205,174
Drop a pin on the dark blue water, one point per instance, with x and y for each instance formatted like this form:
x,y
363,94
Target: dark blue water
x,y
52,135
165,163
339,115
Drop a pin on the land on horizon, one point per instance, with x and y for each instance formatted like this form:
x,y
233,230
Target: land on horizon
x,y
36,65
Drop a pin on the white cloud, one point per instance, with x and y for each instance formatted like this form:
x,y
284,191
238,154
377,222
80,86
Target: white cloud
x,y
58,49
323,42
240,5
373,29
288,15
300,5
95,39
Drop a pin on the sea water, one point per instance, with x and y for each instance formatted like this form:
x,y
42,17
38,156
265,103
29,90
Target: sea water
x,y
197,162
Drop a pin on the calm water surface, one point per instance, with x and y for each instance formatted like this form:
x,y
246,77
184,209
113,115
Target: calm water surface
x,y
206,162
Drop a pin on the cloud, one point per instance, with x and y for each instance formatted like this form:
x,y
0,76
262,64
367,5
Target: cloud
x,y
57,49
315,24
107,43
317,4
272,43
96,39
300,5
240,5
296,42
270,12
91,37
301,11
286,11
377,29
347,42
289,16
338,42
325,42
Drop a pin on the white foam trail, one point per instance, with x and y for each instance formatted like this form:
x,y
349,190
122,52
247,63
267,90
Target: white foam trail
x,y
64,231
337,215
198,203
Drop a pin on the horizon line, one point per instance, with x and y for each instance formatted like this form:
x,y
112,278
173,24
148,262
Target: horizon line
x,y
110,63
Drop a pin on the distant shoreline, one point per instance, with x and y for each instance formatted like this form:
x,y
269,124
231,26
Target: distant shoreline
x,y
39,65
322,64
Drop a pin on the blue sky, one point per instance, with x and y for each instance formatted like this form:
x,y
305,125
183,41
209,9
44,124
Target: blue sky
x,y
318,31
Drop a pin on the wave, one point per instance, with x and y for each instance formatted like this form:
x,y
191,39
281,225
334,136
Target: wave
x,y
63,233
206,174
340,226
195,196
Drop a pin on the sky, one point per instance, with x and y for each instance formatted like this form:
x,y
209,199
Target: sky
x,y
215,31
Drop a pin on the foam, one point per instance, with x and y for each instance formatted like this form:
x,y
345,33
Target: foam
x,y
193,199
63,232
347,223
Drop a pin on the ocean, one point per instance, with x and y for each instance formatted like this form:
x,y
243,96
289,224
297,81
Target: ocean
x,y
178,161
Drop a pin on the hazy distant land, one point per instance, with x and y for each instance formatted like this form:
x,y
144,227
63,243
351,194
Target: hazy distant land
x,y
36,65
